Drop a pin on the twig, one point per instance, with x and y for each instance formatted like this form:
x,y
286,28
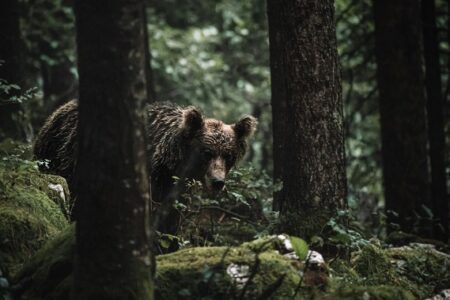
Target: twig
x,y
297,289
243,218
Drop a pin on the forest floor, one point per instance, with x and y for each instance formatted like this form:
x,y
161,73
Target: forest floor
x,y
239,260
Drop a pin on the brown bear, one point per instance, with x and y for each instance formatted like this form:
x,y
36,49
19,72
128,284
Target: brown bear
x,y
180,142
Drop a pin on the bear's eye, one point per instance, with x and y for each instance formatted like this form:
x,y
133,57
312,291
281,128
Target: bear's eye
x,y
207,154
229,159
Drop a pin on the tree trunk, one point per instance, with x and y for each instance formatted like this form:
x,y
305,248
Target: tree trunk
x,y
113,257
307,114
13,121
435,105
402,114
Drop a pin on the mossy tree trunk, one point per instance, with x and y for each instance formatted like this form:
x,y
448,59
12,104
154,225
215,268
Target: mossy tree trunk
x,y
435,105
402,113
13,122
113,258
307,114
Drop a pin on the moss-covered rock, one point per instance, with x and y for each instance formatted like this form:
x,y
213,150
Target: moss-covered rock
x,y
221,273
31,206
425,270
375,292
48,274
412,272
194,273
417,269
400,238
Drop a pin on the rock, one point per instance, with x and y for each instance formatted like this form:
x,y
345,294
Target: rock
x,y
192,273
29,213
443,295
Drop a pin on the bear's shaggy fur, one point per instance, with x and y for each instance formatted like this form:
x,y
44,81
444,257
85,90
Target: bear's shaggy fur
x,y
180,142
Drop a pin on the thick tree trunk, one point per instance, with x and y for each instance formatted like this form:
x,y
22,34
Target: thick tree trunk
x,y
113,257
13,122
402,113
435,105
307,114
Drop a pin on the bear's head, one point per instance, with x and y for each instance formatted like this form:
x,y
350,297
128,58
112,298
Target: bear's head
x,y
213,147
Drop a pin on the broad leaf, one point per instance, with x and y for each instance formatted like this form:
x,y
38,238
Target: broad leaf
x,y
300,247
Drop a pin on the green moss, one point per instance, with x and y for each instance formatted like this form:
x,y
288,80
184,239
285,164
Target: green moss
x,y
49,274
195,273
376,292
30,211
263,244
425,270
374,265
343,272
400,238
49,271
413,272
420,271
131,279
201,273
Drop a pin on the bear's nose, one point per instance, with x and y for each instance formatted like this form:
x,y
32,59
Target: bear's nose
x,y
218,184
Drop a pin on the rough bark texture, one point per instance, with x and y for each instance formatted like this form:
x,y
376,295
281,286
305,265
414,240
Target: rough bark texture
x,y
435,106
402,113
113,258
307,114
12,115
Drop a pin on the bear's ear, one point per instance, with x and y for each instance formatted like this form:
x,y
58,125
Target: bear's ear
x,y
192,121
245,127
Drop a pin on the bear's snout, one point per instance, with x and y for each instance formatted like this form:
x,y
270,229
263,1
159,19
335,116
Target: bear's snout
x,y
215,177
217,184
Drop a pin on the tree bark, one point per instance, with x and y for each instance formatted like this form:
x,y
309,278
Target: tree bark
x,y
13,121
113,258
435,106
307,114
402,114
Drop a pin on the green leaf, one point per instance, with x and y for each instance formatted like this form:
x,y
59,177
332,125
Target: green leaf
x,y
300,247
164,243
341,238
317,241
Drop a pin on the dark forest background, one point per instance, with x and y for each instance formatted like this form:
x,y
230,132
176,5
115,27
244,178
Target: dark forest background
x,y
215,55
351,152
